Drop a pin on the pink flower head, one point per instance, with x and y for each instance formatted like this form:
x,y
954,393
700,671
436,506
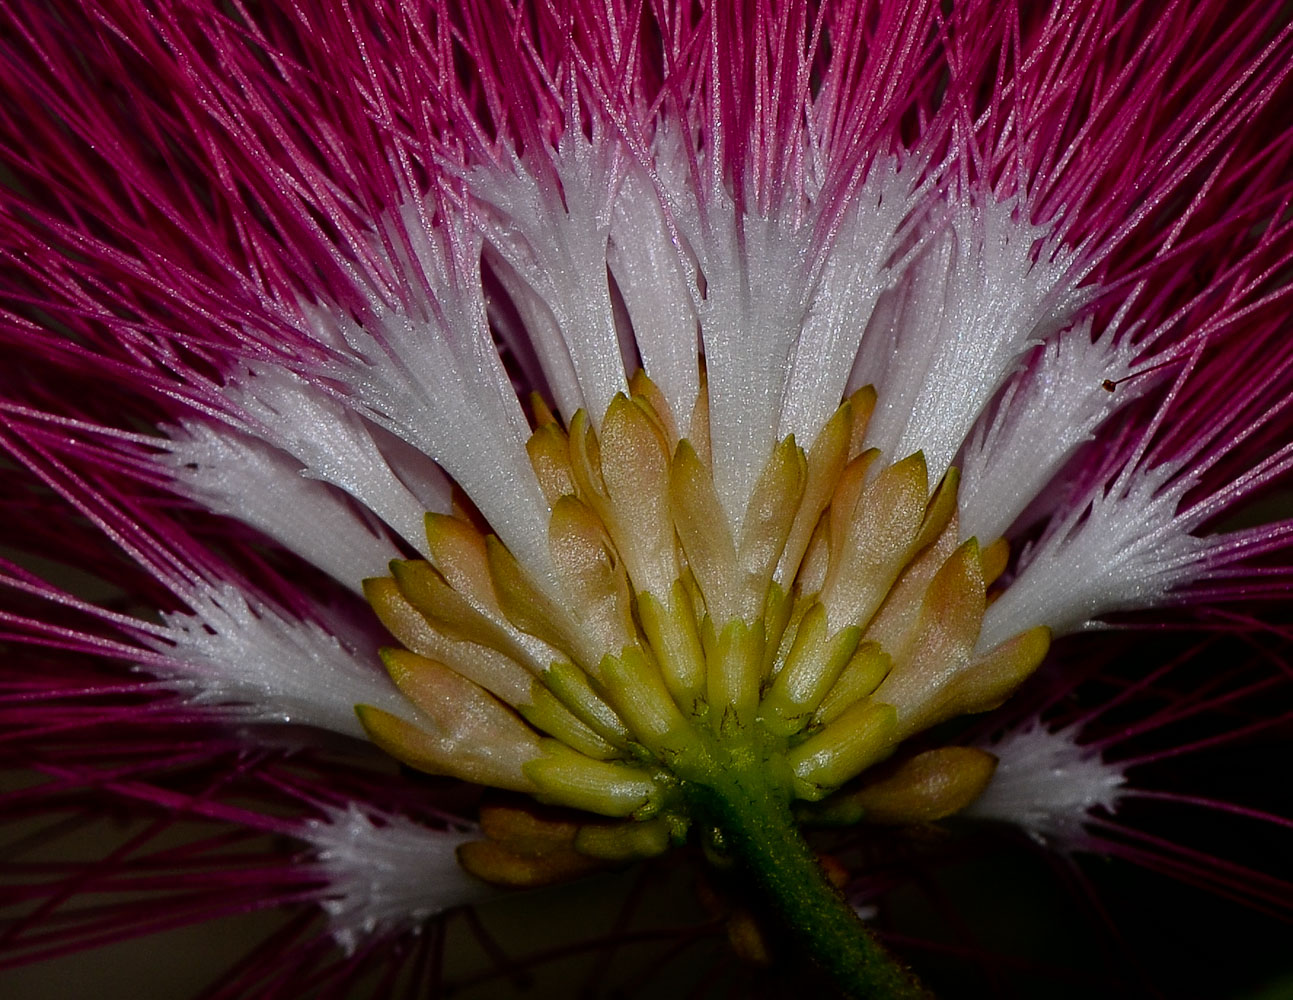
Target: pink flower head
x,y
957,328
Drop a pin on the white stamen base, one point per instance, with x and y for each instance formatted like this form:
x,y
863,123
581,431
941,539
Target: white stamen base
x,y
1038,424
388,878
1127,548
261,666
1047,784
240,477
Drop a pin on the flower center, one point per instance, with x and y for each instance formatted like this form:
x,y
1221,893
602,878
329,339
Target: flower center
x,y
666,646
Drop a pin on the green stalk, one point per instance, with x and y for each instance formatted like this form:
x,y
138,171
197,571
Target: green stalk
x,y
749,820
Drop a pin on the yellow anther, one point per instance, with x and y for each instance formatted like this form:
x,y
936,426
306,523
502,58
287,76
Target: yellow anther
x,y
671,632
536,611
635,474
549,714
534,830
464,733
586,462
901,608
483,667
773,505
624,841
458,555
702,528
826,460
505,865
452,614
572,687
735,670
543,415
879,539
815,662
597,589
639,696
865,671
995,558
844,500
648,395
816,562
940,644
927,787
549,451
988,680
861,406
861,736
563,776
401,618
940,511
778,612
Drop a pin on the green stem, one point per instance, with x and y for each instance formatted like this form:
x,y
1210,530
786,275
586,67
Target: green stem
x,y
751,823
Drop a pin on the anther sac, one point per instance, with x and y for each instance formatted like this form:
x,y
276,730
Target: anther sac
x,y
671,644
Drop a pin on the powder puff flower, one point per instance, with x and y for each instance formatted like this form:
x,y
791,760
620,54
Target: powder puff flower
x,y
683,422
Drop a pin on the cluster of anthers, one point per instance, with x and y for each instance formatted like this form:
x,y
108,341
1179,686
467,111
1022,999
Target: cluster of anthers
x,y
672,657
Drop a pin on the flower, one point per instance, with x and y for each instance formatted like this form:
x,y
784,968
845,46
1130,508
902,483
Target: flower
x,y
875,346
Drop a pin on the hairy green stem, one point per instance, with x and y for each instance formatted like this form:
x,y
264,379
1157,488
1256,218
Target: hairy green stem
x,y
750,823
